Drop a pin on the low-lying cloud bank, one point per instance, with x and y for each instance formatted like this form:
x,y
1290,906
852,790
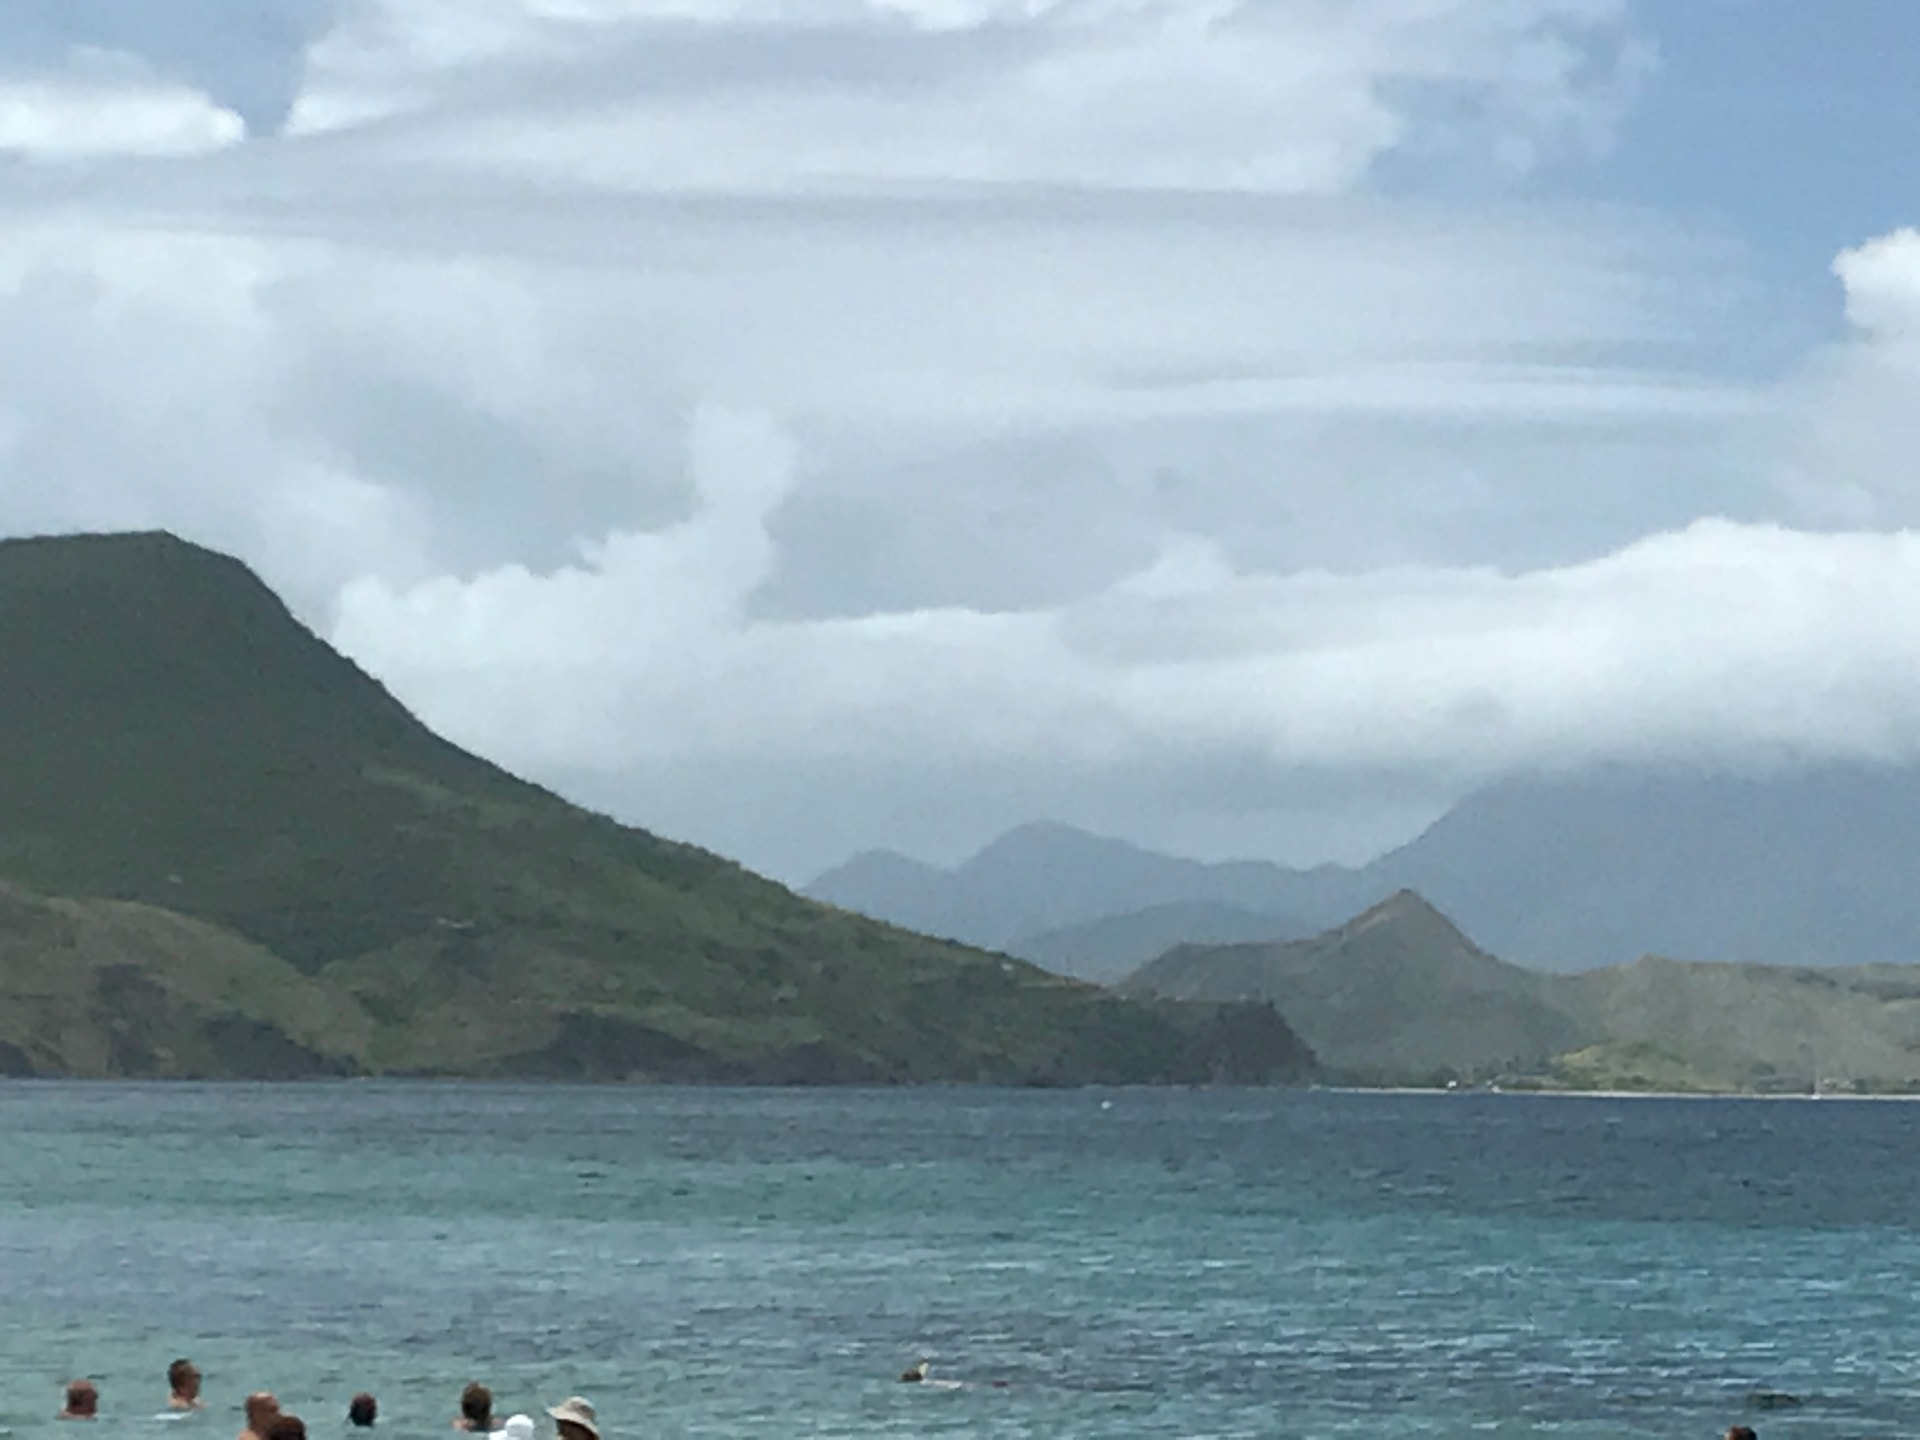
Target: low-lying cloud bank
x,y
801,424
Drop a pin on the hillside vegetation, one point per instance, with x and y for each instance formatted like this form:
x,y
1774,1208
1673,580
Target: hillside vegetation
x,y
1399,995
209,820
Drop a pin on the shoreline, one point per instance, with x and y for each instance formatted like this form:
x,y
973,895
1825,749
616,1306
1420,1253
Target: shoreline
x,y
1506,1092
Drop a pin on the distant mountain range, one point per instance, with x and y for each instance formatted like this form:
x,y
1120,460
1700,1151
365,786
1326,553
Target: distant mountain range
x,y
227,851
1808,867
1400,995
1114,946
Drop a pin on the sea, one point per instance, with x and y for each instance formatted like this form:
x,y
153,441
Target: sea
x,y
1074,1263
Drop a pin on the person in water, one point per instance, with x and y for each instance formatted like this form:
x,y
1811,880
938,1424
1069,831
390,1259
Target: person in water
x,y
183,1379
1741,1432
915,1373
262,1410
83,1401
575,1420
363,1410
286,1427
476,1410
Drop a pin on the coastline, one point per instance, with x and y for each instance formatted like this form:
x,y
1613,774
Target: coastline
x,y
1508,1091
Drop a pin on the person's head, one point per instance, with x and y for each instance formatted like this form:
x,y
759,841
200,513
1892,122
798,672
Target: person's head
x,y
184,1377
83,1400
476,1406
575,1420
1742,1432
261,1409
362,1410
286,1427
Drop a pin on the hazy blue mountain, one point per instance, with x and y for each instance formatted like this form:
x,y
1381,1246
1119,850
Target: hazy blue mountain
x,y
1114,946
1808,867
1813,867
1046,877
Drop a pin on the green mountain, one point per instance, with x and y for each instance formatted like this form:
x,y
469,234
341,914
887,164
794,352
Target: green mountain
x,y
253,834
1399,995
1396,994
1760,1027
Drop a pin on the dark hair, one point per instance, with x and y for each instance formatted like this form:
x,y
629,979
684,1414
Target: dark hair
x,y
286,1427
79,1391
1742,1432
476,1403
362,1409
178,1372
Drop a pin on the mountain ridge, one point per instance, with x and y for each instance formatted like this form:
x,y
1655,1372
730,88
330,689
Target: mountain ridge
x,y
186,772
1396,993
1558,872
1400,995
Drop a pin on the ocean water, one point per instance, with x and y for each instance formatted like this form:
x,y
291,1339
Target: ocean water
x,y
1088,1263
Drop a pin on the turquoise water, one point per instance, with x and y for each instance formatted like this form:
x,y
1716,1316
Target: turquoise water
x,y
1128,1263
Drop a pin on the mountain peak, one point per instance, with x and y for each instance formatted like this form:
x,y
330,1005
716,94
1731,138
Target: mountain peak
x,y
1405,909
175,738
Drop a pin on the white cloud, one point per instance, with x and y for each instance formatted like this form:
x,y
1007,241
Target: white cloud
x,y
1852,428
108,105
759,415
1720,640
1882,280
784,95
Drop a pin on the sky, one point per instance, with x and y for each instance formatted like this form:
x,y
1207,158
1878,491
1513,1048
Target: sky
x,y
806,426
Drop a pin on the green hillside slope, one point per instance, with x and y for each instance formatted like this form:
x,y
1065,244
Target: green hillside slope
x,y
1763,1026
1396,994
1399,995
171,738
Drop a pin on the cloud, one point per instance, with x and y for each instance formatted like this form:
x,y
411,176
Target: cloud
x,y
107,105
1852,427
803,426
1746,641
778,96
244,58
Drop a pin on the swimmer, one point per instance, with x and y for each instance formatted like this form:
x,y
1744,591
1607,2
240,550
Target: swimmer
x,y
575,1419
362,1410
1741,1432
476,1410
262,1408
183,1379
286,1427
83,1401
518,1427
917,1374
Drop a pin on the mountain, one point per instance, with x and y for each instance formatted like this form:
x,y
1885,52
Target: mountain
x,y
1400,995
1810,866
109,988
1762,1026
1397,993
1043,878
228,850
1114,946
